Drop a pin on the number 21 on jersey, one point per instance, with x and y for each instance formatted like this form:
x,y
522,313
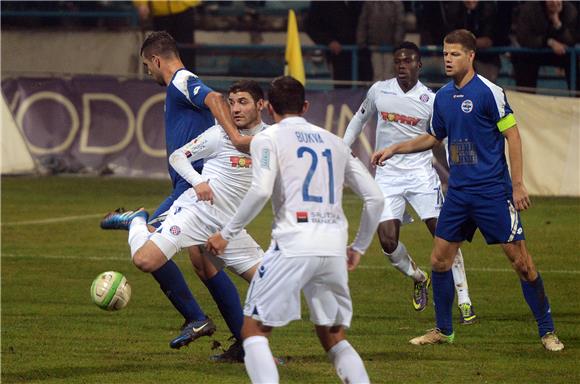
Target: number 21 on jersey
x,y
303,152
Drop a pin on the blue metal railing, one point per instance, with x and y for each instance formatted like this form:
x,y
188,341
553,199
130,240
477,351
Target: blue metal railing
x,y
431,50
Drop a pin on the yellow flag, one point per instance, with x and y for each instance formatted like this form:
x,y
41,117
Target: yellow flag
x,y
294,65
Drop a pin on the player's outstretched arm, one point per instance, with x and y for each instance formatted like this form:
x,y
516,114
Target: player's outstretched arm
x,y
418,144
520,193
221,111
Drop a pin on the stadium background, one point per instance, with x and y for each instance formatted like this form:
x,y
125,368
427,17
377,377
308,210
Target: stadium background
x,y
76,102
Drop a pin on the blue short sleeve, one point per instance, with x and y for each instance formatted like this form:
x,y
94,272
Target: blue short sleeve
x,y
197,91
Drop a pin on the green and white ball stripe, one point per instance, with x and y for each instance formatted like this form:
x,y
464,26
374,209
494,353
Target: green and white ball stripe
x,y
111,291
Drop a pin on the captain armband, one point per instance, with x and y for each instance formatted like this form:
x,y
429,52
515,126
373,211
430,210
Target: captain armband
x,y
506,122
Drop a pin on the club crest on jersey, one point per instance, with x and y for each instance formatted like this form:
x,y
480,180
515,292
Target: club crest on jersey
x,y
240,162
424,97
175,230
467,106
391,116
302,217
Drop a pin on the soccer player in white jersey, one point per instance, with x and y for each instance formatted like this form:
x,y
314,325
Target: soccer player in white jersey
x,y
303,168
206,206
403,106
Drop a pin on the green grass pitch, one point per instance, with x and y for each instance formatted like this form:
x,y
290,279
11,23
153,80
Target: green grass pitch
x,y
52,249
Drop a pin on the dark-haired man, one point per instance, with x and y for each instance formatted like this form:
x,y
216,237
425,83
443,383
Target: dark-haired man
x,y
303,167
475,117
404,106
190,108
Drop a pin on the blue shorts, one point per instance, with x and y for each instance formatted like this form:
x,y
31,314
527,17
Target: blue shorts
x,y
463,212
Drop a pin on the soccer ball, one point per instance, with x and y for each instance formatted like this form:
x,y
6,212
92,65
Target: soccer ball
x,y
111,291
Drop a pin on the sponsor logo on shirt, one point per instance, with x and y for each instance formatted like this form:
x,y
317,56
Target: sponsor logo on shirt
x,y
240,162
324,217
458,96
302,217
462,153
391,116
467,106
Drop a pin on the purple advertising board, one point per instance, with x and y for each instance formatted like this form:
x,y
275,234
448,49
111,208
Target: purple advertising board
x,y
105,123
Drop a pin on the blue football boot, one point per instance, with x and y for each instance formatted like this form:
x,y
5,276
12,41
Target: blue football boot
x,y
121,219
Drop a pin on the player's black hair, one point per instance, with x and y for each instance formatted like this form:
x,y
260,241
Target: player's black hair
x,y
410,46
159,43
286,95
250,86
461,36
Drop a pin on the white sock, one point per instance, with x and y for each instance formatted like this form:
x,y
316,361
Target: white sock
x,y
259,361
138,234
460,280
349,366
401,260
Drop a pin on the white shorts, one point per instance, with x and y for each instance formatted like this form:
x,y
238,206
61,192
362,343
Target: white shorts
x,y
274,294
422,191
187,226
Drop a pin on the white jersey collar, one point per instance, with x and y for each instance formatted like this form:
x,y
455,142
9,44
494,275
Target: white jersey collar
x,y
293,119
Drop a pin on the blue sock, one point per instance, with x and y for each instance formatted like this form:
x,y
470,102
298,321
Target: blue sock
x,y
226,297
173,284
538,303
443,296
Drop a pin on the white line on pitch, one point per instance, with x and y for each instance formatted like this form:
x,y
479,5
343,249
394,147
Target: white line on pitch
x,y
484,269
54,220
377,267
51,221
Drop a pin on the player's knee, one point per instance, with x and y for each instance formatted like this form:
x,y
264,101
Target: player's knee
x,y
143,262
440,262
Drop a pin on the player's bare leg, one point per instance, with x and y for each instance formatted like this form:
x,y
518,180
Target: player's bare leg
x,y
534,293
467,314
399,257
347,362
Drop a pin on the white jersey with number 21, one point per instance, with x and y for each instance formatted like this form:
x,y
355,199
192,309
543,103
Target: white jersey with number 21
x,y
306,167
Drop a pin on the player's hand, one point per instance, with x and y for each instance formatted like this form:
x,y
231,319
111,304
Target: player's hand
x,y
521,199
353,258
242,143
204,192
379,157
216,244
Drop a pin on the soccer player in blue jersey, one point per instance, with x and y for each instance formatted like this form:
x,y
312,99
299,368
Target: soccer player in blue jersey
x,y
475,117
190,108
